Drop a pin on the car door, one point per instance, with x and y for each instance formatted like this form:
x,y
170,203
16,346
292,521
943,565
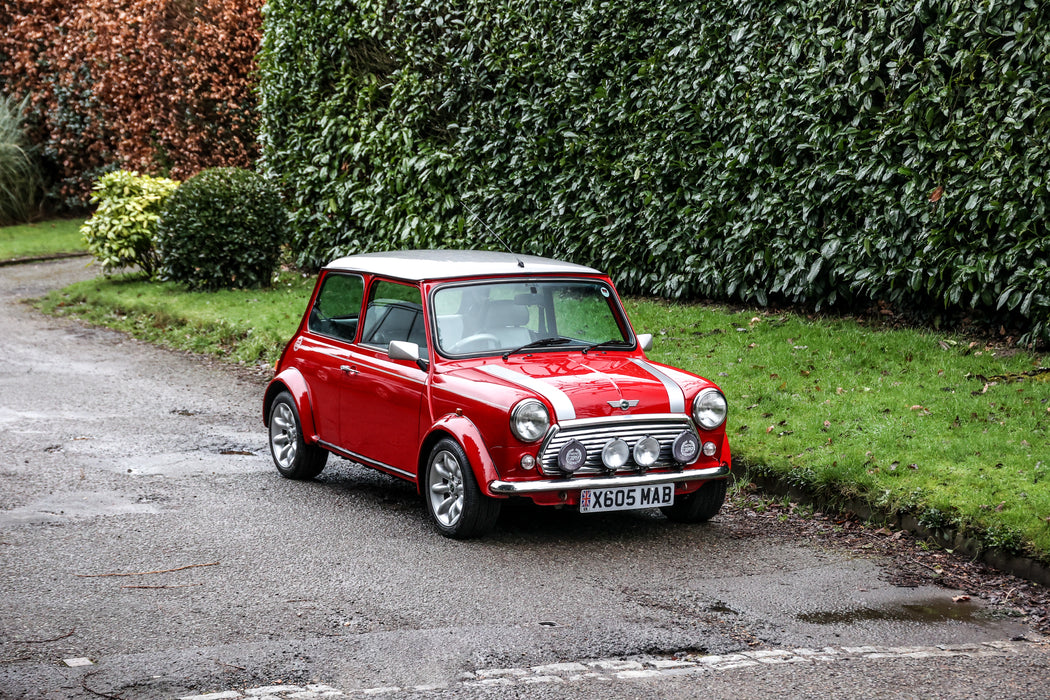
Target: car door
x,y
383,397
324,351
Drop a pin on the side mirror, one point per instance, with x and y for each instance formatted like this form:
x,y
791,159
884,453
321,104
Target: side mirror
x,y
645,341
402,350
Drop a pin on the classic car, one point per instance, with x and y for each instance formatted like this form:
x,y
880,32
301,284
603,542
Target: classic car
x,y
482,376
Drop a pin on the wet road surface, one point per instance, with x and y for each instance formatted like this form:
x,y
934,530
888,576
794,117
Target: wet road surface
x,y
148,549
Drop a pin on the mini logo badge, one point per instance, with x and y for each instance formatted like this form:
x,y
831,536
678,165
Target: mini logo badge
x,y
624,404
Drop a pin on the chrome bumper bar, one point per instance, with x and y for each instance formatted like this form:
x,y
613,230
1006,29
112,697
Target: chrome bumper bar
x,y
513,488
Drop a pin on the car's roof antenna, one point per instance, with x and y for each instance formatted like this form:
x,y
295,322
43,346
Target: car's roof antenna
x,y
489,229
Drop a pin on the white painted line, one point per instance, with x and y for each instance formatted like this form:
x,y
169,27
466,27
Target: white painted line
x,y
626,670
273,690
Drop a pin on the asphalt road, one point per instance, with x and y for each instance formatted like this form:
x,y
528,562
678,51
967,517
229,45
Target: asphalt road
x,y
148,549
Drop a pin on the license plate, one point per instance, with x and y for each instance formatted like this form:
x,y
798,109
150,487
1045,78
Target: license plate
x,y
626,498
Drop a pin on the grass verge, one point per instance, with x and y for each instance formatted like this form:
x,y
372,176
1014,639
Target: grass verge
x,y
951,432
246,326
45,238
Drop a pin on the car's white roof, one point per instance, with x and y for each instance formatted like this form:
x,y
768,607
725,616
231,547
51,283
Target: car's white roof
x,y
418,265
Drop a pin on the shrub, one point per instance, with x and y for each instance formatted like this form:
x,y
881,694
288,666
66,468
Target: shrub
x,y
122,231
822,153
223,228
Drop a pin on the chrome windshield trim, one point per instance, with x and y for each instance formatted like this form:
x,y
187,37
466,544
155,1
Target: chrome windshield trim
x,y
526,487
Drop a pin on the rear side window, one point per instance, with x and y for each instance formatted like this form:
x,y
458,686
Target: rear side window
x,y
395,312
338,307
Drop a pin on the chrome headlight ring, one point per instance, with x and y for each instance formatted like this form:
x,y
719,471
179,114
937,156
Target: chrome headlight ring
x,y
529,420
710,409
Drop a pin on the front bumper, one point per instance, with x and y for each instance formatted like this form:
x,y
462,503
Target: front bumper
x,y
518,488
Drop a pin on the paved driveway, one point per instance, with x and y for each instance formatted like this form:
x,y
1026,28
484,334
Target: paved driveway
x,y
148,549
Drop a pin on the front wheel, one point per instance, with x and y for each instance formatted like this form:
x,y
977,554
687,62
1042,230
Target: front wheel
x,y
292,456
454,501
700,505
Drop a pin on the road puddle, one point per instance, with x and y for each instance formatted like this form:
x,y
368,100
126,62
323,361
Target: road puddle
x,y
81,504
931,611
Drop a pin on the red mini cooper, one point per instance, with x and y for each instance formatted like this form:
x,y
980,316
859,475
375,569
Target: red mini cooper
x,y
482,376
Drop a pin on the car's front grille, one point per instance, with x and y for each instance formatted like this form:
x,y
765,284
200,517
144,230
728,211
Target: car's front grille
x,y
595,433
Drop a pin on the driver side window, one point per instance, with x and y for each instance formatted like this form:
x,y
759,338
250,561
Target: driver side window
x,y
394,312
338,306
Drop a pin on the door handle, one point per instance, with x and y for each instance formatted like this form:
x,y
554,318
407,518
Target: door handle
x,y
348,369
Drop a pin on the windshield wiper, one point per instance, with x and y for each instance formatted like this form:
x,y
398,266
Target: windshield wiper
x,y
541,343
615,342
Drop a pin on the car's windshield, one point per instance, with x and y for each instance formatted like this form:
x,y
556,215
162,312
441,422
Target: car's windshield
x,y
496,317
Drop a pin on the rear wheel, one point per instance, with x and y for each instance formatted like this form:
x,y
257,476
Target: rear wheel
x,y
454,501
292,456
700,505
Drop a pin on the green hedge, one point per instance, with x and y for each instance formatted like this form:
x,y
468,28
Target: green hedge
x,y
813,152
222,229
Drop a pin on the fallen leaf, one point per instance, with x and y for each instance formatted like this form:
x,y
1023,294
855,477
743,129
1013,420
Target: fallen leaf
x,y
936,195
960,598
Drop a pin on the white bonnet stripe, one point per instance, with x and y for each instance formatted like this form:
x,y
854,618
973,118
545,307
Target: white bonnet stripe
x,y
674,392
563,408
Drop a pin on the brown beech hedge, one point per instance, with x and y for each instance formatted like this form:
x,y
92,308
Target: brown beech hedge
x,y
159,86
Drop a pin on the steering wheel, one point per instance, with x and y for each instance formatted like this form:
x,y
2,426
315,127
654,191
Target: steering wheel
x,y
484,341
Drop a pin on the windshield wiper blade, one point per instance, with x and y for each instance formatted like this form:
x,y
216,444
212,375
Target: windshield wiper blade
x,y
615,342
541,343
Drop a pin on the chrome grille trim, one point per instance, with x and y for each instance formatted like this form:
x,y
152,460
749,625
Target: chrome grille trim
x,y
595,432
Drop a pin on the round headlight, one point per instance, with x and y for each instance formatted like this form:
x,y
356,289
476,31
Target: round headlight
x,y
529,420
646,452
710,409
615,454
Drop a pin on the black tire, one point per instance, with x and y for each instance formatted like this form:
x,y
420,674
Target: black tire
x,y
293,458
700,505
454,502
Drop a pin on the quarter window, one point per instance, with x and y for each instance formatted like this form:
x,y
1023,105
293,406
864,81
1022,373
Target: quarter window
x,y
338,306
